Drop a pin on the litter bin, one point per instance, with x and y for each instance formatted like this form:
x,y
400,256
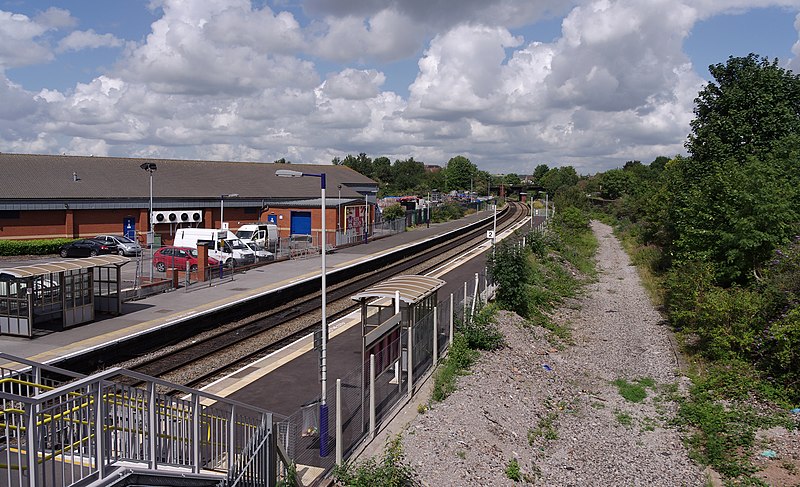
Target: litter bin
x,y
310,418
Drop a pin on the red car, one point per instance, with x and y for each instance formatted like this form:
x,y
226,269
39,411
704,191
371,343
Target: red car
x,y
177,257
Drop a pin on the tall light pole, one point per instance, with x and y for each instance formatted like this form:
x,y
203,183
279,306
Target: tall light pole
x,y
150,167
323,362
222,207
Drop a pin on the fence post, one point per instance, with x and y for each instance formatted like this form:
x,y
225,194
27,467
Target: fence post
x,y
31,431
465,302
452,320
195,430
410,360
152,427
435,335
475,296
372,395
338,422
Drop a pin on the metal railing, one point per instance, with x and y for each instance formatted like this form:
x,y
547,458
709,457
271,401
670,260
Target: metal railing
x,y
60,429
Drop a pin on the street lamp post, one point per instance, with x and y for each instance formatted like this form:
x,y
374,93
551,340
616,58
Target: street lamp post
x,y
222,207
150,167
323,362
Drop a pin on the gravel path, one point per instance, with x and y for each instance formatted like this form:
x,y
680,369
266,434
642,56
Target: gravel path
x,y
553,406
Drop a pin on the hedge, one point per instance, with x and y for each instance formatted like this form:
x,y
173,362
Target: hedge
x,y
32,247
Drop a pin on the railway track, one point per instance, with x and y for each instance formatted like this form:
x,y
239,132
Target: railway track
x,y
197,361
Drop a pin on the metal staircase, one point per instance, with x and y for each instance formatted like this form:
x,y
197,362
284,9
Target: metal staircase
x,y
60,429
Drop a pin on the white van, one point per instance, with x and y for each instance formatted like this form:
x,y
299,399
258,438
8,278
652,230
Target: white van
x,y
264,234
223,245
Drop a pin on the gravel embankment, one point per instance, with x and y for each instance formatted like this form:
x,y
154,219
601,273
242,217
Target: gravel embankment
x,y
554,408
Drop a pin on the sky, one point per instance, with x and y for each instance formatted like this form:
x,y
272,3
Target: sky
x,y
510,84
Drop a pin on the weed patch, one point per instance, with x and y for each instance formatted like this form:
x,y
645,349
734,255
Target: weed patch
x,y
390,470
636,391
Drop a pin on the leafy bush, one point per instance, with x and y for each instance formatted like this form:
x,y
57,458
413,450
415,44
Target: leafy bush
x,y
509,270
393,212
32,247
572,219
389,471
459,358
447,211
481,332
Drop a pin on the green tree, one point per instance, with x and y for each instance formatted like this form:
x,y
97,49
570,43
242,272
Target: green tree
x,y
282,160
459,173
559,177
752,104
382,169
540,171
511,179
408,175
361,164
614,183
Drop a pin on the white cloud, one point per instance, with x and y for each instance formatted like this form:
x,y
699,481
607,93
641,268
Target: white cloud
x,y
387,36
229,80
354,84
55,18
19,43
794,63
87,39
459,72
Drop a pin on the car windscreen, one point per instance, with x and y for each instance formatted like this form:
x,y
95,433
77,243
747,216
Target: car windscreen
x,y
192,252
236,244
245,234
124,240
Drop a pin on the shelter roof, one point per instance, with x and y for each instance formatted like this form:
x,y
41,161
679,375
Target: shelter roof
x,y
412,288
8,273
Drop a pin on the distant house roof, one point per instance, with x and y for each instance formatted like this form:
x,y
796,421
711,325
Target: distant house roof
x,y
47,177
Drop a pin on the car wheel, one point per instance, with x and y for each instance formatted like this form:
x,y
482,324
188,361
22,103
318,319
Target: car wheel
x,y
92,253
63,252
161,267
230,264
193,268
121,252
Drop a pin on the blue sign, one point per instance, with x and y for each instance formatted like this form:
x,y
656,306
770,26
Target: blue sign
x,y
272,218
129,227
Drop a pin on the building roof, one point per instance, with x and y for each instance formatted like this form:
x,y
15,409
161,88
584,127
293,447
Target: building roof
x,y
37,177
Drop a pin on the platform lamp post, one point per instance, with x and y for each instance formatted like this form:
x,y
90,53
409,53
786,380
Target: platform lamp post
x,y
323,362
338,212
222,207
150,167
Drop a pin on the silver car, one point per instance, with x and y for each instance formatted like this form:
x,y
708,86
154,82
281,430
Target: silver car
x,y
126,245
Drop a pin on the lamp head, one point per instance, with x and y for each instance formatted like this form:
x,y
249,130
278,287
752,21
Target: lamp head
x,y
288,173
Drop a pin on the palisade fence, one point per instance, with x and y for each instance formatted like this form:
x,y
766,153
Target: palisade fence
x,y
366,398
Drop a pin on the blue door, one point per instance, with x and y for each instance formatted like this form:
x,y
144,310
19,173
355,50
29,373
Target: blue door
x,y
301,223
129,227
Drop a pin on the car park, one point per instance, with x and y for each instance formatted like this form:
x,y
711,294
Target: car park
x,y
171,257
87,247
125,245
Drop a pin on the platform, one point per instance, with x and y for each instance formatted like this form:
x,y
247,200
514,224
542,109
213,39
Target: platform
x,y
164,310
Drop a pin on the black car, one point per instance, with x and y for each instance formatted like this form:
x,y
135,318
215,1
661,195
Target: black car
x,y
87,247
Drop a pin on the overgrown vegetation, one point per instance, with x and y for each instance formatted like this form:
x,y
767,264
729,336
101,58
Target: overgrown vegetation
x,y
551,267
391,470
478,334
716,236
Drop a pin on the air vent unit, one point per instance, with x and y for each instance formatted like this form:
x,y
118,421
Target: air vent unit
x,y
178,216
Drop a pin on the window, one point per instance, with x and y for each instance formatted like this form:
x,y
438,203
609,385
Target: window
x,y
9,214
